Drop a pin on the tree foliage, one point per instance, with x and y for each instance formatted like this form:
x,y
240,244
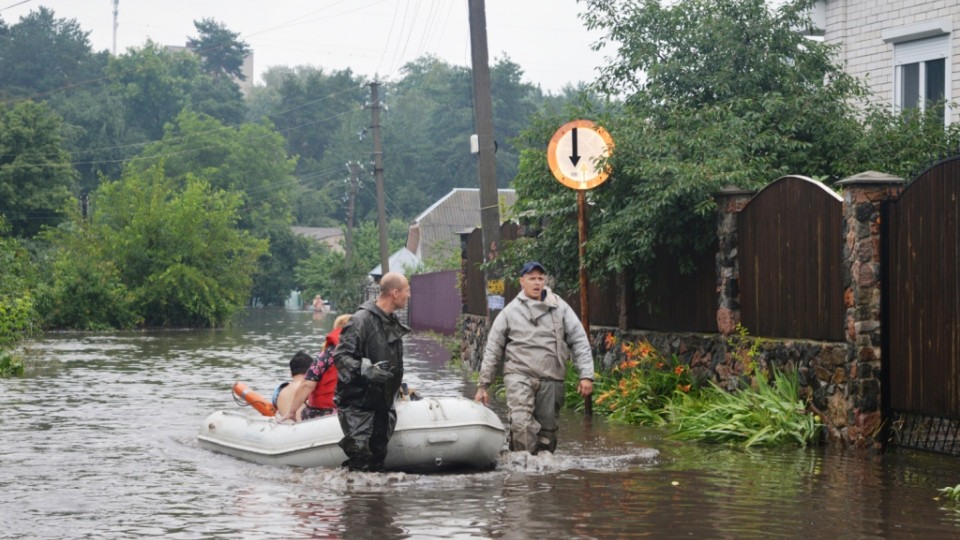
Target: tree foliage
x,y
41,53
178,250
220,50
713,93
35,174
249,161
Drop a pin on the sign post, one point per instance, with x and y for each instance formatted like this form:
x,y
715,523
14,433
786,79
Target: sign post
x,y
573,154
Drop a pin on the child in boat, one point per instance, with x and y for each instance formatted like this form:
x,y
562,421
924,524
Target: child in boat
x,y
315,392
283,396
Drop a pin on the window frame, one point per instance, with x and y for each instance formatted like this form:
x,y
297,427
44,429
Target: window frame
x,y
918,44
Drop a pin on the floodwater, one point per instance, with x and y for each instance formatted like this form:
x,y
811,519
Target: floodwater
x,y
99,441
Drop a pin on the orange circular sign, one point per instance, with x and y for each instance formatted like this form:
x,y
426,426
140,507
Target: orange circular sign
x,y
574,151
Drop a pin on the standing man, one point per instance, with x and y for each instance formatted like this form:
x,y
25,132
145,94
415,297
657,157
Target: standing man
x,y
533,338
369,360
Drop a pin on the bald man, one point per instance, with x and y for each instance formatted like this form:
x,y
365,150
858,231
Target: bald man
x,y
369,360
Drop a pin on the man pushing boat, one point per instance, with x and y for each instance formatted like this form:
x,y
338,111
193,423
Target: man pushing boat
x,y
369,360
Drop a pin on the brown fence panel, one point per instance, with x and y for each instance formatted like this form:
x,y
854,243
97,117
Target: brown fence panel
x,y
790,254
435,302
675,301
922,293
473,288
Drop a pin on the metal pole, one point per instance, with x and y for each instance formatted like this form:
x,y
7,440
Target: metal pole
x,y
584,297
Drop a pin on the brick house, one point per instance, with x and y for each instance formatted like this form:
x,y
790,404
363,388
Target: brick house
x,y
908,51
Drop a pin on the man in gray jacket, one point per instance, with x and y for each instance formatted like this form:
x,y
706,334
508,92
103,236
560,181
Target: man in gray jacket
x,y
533,338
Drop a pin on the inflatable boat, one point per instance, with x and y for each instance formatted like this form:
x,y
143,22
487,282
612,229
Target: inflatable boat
x,y
432,435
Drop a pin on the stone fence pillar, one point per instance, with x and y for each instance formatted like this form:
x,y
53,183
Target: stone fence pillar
x,y
730,201
862,195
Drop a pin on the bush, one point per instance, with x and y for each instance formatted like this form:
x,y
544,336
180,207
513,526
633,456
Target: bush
x,y
638,390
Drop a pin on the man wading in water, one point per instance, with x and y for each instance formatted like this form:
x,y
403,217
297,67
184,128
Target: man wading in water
x,y
369,360
532,338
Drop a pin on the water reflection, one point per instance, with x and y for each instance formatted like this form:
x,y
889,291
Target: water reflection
x,y
99,440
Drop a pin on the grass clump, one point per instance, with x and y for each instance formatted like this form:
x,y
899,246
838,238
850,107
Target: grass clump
x,y
771,414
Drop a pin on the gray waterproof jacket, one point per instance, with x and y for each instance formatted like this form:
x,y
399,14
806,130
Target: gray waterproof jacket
x,y
535,338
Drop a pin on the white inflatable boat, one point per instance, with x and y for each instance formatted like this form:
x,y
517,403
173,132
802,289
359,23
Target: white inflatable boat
x,y
433,434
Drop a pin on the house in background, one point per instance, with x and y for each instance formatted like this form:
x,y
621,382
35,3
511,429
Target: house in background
x,y
907,51
434,234
332,237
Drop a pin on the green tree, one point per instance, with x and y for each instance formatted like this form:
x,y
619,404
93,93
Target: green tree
x,y
155,85
35,174
178,249
18,316
41,53
220,50
248,160
714,93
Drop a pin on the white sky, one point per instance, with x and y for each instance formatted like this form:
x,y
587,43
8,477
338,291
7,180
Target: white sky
x,y
545,38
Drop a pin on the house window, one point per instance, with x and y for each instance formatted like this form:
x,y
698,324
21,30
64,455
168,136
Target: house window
x,y
921,73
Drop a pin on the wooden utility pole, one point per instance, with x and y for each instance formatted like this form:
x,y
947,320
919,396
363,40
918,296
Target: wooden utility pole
x,y
487,165
354,174
378,172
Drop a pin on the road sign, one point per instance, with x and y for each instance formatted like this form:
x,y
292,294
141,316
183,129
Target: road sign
x,y
573,153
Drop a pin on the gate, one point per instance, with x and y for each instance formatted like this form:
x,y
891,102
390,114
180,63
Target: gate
x,y
921,311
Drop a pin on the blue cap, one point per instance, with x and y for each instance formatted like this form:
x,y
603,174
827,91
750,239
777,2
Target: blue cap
x,y
531,266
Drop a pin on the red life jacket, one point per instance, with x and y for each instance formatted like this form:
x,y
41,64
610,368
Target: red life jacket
x,y
322,395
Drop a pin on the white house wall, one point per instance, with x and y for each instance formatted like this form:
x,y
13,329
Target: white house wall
x,y
864,29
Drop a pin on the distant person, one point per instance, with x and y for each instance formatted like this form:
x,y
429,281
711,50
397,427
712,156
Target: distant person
x,y
318,305
369,363
532,339
315,393
283,396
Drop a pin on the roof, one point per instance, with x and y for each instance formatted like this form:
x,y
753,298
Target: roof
x,y
401,261
331,236
434,232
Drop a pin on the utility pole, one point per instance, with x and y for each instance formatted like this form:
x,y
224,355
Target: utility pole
x,y
487,165
378,172
354,173
116,10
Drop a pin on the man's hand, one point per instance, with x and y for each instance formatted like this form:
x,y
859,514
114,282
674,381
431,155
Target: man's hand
x,y
585,388
481,396
378,373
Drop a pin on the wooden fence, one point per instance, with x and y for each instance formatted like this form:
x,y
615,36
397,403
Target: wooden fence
x,y
922,293
790,252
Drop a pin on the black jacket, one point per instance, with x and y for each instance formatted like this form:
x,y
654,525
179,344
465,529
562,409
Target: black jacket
x,y
373,334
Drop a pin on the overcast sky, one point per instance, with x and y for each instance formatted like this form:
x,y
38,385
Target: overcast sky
x,y
545,37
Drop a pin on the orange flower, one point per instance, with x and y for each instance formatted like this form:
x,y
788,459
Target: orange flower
x,y
659,365
610,340
678,370
645,349
684,387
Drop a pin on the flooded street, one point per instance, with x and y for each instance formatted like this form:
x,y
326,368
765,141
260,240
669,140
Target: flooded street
x,y
99,441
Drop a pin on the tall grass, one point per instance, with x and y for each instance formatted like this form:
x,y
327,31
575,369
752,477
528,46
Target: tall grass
x,y
772,414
